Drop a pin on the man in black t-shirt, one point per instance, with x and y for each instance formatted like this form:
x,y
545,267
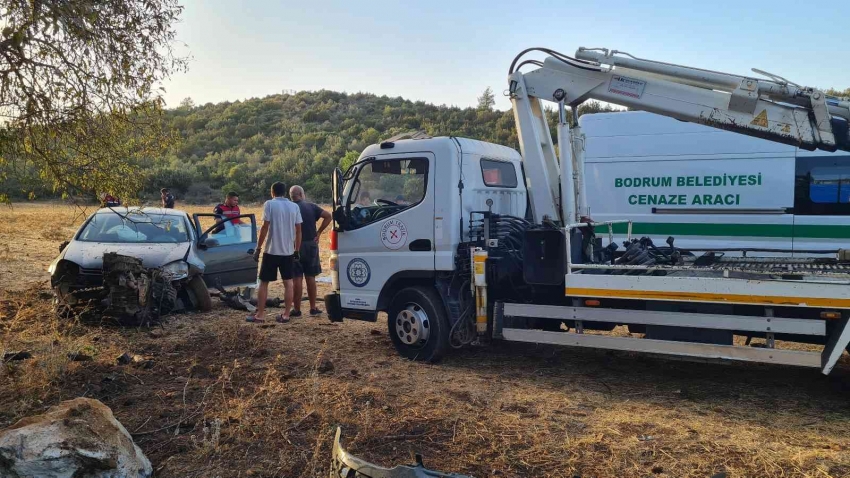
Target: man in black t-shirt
x,y
309,265
167,198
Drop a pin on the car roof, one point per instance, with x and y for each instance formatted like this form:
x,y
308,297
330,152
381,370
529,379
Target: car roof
x,y
142,210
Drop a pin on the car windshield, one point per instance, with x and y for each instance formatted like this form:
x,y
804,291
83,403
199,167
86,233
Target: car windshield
x,y
135,228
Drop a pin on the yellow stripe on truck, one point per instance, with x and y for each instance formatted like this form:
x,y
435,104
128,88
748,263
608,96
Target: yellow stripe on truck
x,y
708,297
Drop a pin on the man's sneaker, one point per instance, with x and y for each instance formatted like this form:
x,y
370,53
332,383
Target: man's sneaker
x,y
295,313
315,312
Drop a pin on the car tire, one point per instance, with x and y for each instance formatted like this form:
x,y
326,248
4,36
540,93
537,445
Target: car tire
x,y
200,293
164,295
417,323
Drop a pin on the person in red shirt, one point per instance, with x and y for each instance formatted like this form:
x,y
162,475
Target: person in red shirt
x,y
111,201
228,209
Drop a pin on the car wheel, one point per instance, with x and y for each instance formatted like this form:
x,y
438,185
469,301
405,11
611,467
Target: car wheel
x,y
418,325
200,293
164,296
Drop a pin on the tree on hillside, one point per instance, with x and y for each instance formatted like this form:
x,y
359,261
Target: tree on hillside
x,y
349,159
78,96
834,92
486,101
187,103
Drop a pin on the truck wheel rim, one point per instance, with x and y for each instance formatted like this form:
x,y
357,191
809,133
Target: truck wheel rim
x,y
412,326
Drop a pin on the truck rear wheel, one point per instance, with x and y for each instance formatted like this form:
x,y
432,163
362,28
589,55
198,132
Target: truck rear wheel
x,y
418,325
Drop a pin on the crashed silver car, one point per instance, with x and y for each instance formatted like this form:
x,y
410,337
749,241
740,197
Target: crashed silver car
x,y
144,262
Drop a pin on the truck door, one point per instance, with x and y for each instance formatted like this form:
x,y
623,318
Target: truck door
x,y
227,248
390,206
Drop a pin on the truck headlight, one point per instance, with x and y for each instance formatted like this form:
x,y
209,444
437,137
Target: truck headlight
x,y
176,270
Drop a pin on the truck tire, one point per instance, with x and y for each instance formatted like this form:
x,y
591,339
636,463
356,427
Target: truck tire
x,y
418,325
200,293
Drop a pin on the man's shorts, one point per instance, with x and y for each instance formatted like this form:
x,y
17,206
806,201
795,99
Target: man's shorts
x,y
272,263
309,265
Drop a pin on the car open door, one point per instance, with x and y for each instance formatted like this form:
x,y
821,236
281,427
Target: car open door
x,y
227,248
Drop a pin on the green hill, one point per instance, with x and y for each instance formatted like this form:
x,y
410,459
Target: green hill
x,y
298,139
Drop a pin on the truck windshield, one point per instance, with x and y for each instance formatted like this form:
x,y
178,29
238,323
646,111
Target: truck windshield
x,y
135,228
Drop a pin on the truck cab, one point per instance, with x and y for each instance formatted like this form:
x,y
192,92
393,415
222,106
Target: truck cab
x,y
400,212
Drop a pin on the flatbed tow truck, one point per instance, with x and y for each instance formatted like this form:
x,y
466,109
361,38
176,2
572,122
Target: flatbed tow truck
x,y
463,242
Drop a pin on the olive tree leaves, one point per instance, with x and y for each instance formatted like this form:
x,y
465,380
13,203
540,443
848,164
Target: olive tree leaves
x,y
80,105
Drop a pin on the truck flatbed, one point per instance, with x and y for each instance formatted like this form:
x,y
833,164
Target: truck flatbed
x,y
763,268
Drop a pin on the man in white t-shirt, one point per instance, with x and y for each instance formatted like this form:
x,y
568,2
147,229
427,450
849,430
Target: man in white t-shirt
x,y
281,237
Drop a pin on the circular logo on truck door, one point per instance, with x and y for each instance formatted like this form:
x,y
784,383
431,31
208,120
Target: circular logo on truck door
x,y
358,272
394,234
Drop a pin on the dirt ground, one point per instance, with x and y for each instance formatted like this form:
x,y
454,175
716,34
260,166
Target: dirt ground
x,y
214,396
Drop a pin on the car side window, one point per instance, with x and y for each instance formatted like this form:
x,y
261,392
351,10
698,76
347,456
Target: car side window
x,y
226,232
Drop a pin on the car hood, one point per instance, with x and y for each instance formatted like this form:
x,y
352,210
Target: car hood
x,y
89,255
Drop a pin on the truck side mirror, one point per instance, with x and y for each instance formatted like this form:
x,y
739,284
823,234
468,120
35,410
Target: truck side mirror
x,y
336,186
340,217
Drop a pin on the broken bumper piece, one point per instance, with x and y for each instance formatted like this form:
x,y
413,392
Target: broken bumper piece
x,y
346,466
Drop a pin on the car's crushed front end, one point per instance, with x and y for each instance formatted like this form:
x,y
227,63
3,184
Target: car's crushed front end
x,y
123,289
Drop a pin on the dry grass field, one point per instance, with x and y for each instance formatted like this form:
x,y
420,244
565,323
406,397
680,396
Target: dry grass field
x,y
215,396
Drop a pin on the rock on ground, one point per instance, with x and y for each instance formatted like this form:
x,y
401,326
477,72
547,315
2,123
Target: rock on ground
x,y
77,438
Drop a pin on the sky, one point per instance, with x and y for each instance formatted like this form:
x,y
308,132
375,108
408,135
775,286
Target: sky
x,y
448,52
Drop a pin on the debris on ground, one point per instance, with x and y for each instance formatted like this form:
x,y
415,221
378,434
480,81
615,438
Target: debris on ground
x,y
124,359
79,437
344,465
16,356
142,362
199,371
79,357
241,298
325,366
156,333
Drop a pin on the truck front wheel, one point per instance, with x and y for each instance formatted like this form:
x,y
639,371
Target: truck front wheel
x,y
418,325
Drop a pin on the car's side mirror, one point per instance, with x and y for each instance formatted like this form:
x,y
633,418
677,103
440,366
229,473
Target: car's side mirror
x,y
63,245
205,242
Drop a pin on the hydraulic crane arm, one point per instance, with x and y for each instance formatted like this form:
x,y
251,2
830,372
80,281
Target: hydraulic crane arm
x,y
774,109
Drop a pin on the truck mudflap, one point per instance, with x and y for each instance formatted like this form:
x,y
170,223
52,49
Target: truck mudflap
x,y
346,466
336,313
333,306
